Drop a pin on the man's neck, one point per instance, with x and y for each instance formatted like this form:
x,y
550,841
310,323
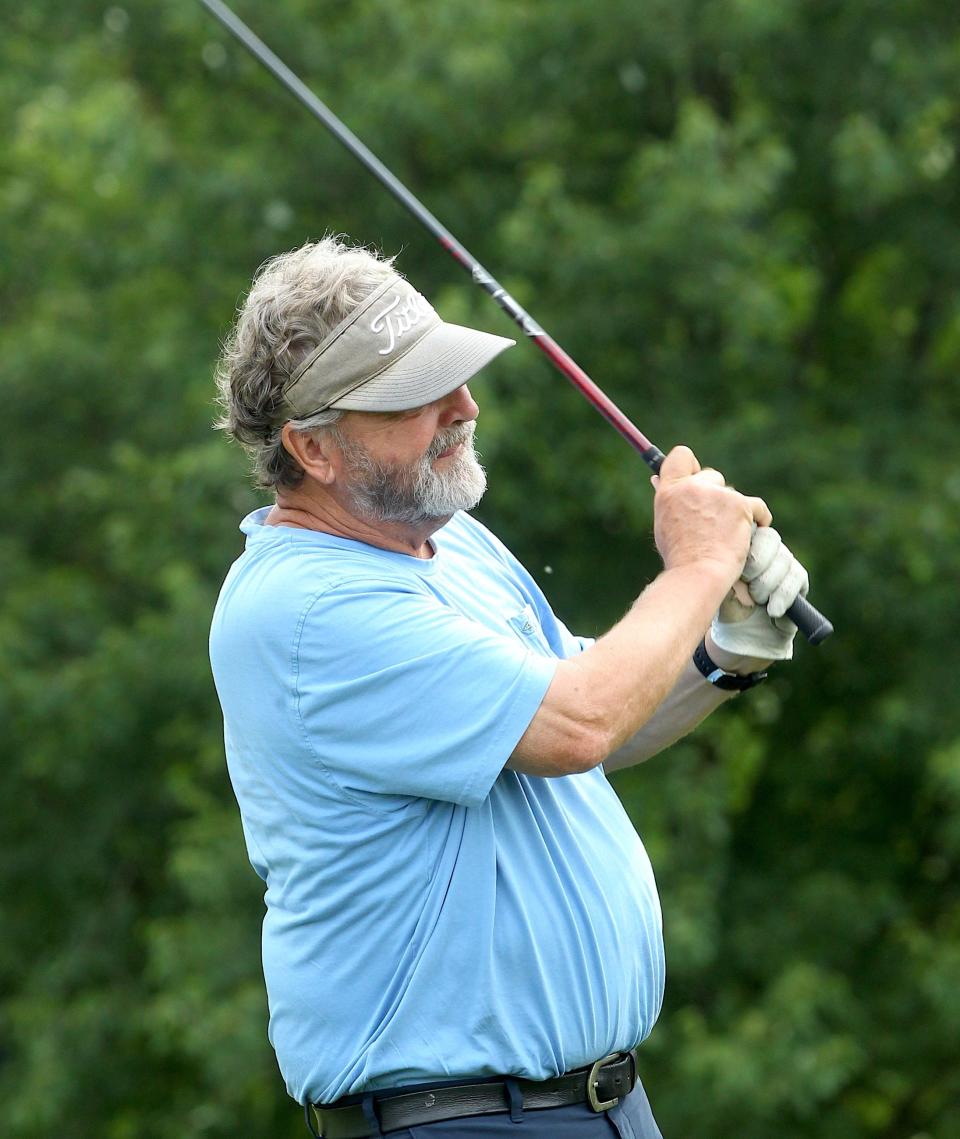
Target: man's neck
x,y
312,508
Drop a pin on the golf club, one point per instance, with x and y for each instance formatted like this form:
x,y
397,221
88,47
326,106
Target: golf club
x,y
814,626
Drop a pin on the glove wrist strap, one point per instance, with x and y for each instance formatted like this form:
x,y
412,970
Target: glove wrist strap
x,y
720,678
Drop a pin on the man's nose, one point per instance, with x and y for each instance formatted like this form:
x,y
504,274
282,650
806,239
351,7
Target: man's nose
x,y
458,406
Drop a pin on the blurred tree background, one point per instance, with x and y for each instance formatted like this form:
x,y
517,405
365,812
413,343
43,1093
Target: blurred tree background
x,y
742,218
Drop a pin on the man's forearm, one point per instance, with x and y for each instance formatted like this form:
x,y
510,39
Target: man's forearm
x,y
604,696
690,701
601,698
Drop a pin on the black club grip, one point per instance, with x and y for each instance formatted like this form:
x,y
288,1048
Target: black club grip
x,y
810,621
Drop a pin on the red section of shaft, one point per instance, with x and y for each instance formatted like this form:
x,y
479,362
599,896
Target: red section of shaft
x,y
579,378
560,359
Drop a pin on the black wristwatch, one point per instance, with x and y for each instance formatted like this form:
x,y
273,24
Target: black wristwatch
x,y
729,681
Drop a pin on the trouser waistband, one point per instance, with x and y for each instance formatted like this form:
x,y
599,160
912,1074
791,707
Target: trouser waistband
x,y
601,1086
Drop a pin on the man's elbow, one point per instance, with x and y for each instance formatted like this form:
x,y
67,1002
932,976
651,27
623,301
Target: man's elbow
x,y
578,725
578,748
587,745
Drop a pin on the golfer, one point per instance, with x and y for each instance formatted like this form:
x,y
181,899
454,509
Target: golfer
x,y
462,931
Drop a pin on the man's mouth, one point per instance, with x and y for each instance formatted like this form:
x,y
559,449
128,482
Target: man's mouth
x,y
454,440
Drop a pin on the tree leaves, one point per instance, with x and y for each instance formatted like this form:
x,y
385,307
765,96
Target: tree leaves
x,y
741,219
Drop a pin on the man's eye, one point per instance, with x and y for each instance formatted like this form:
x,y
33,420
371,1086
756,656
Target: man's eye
x,y
409,413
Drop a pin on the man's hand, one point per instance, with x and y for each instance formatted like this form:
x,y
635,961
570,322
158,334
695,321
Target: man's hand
x,y
751,621
699,519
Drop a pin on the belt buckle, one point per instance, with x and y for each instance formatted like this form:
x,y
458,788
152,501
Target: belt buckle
x,y
596,1104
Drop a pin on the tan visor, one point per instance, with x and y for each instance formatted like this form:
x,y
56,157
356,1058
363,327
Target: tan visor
x,y
393,352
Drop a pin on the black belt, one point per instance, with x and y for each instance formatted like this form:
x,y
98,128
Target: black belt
x,y
601,1085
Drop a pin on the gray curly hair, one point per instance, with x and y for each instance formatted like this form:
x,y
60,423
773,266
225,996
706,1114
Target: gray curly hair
x,y
295,300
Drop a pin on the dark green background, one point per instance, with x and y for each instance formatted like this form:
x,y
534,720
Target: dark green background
x,y
741,217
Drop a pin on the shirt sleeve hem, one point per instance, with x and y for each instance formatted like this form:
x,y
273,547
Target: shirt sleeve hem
x,y
535,679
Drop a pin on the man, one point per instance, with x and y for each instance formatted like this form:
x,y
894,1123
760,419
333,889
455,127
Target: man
x,y
462,929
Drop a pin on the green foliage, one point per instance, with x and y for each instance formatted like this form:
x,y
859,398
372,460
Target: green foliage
x,y
740,217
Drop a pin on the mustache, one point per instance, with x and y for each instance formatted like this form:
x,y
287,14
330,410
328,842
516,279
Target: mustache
x,y
450,437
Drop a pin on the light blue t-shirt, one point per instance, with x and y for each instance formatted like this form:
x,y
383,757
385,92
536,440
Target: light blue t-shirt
x,y
429,915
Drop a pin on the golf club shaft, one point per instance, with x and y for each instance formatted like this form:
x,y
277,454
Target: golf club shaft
x,y
814,626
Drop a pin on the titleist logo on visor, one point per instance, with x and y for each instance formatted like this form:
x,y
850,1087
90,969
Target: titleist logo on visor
x,y
367,343
398,318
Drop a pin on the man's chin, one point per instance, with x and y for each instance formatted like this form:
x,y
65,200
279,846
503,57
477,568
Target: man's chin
x,y
441,519
391,496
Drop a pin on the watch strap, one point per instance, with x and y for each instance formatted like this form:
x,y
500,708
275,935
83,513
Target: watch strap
x,y
720,678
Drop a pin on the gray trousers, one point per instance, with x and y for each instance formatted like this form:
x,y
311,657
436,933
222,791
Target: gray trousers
x,y
630,1119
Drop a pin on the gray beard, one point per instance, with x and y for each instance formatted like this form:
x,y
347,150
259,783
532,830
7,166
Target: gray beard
x,y
416,493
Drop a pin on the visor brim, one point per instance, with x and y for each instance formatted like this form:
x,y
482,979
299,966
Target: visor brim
x,y
438,364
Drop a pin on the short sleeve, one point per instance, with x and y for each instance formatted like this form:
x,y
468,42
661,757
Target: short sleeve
x,y
399,694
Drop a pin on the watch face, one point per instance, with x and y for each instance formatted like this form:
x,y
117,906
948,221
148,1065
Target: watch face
x,y
731,681
742,683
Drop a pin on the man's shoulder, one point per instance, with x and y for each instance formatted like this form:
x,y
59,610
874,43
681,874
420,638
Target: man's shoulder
x,y
284,570
469,533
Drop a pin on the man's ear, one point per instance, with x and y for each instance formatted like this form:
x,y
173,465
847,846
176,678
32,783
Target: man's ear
x,y
312,450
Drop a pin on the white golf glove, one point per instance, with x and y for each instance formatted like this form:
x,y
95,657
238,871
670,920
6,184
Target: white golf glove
x,y
754,625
